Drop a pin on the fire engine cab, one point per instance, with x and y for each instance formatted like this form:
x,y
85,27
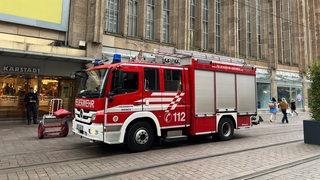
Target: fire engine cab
x,y
175,96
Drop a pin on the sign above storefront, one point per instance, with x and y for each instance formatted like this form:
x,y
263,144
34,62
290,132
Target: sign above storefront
x,y
19,69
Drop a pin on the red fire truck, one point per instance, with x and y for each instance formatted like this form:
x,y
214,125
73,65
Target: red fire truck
x,y
177,96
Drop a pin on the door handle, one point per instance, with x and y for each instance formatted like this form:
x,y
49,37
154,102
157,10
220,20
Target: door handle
x,y
137,103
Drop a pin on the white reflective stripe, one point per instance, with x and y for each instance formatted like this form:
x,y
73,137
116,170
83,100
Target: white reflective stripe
x,y
152,99
169,94
167,99
156,94
153,107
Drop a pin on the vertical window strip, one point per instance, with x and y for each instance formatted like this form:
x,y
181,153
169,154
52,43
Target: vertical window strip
x,y
249,28
205,24
259,29
166,20
292,61
112,16
132,18
218,10
192,22
282,32
150,20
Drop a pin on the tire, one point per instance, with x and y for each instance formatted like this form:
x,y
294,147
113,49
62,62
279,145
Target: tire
x,y
225,129
64,130
139,137
41,130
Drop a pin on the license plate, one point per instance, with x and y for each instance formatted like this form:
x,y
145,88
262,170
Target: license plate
x,y
80,127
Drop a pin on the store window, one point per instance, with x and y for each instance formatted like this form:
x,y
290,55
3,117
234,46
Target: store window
x,y
263,95
14,87
48,91
296,95
12,90
291,94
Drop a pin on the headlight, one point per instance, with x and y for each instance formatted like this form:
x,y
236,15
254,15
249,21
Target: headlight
x,y
93,131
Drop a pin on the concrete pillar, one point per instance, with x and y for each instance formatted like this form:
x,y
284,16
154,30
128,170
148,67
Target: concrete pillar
x,y
274,86
305,87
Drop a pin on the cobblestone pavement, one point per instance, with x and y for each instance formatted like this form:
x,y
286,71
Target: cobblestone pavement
x,y
267,151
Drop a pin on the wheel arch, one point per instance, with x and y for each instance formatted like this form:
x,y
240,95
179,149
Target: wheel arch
x,y
231,116
137,117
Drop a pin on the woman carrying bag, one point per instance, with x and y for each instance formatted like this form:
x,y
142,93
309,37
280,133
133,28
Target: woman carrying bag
x,y
273,109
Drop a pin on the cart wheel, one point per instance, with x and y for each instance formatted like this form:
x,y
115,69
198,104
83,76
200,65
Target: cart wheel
x,y
41,130
64,129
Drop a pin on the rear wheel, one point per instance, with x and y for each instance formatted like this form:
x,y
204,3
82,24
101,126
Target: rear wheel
x,y
226,129
41,130
64,129
139,137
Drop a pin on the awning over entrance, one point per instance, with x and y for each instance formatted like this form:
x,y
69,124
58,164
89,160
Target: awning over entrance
x,y
43,56
37,63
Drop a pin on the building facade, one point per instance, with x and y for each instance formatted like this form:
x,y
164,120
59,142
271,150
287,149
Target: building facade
x,y
34,52
280,38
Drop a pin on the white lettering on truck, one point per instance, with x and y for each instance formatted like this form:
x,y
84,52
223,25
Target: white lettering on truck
x,y
85,103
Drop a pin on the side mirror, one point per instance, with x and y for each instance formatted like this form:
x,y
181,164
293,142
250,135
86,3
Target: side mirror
x,y
78,74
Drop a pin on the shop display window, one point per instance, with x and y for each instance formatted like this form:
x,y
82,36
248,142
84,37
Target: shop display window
x,y
14,87
291,94
263,95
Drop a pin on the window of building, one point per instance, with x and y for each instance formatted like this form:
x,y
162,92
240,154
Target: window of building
x,y
249,33
151,79
292,59
282,33
133,18
259,29
291,93
112,16
150,20
205,24
263,95
166,21
192,22
172,80
218,13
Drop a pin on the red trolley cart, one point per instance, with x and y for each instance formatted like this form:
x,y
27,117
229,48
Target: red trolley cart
x,y
55,113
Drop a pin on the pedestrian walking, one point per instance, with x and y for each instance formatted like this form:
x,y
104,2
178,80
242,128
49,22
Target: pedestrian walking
x,y
31,101
293,107
273,109
284,106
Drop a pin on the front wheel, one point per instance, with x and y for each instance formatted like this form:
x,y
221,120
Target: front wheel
x,y
226,129
139,137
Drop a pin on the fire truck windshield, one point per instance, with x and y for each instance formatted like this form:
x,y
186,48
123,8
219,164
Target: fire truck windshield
x,y
92,86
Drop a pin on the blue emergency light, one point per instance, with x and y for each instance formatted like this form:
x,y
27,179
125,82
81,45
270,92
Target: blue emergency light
x,y
116,58
97,62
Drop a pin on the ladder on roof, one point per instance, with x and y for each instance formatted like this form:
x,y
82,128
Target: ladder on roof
x,y
183,57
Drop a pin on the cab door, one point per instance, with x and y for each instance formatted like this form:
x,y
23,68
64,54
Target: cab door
x,y
124,96
173,97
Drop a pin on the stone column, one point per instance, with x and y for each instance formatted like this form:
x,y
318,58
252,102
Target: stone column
x,y
305,87
274,86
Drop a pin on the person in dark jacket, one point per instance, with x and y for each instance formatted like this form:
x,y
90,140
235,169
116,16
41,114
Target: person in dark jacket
x,y
293,107
31,101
